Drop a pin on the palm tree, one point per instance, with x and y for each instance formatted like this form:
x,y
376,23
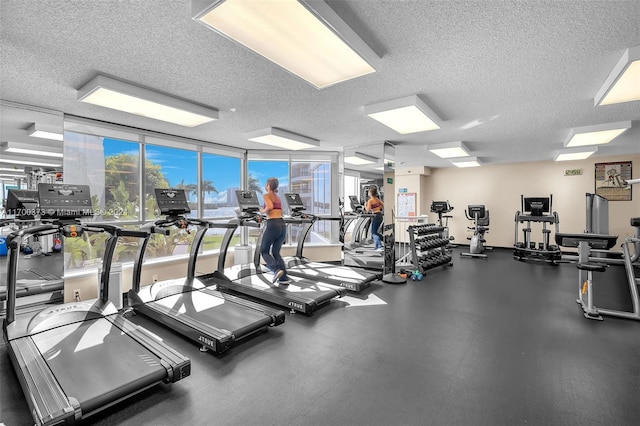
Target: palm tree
x,y
208,188
254,184
188,188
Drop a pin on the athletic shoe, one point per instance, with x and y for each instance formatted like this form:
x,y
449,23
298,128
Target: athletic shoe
x,y
380,249
284,282
279,273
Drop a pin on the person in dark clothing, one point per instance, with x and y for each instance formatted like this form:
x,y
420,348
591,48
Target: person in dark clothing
x,y
275,232
375,206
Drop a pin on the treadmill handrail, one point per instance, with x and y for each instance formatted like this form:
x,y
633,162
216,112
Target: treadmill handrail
x,y
162,226
14,240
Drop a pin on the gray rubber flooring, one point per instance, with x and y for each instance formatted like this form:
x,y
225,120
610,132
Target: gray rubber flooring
x,y
485,342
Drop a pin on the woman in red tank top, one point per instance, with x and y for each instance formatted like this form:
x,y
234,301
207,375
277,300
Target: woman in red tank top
x,y
274,233
375,206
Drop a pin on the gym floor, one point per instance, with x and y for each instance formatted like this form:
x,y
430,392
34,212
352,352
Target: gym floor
x,y
485,342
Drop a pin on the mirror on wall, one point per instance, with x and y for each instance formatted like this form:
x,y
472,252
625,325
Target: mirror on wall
x,y
31,151
31,146
363,173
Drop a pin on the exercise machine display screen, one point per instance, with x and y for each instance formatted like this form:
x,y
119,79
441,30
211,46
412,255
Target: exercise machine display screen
x,y
476,211
248,201
294,201
355,203
536,206
172,202
22,203
61,200
440,207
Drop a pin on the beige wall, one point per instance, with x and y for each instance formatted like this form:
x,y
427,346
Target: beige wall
x,y
499,188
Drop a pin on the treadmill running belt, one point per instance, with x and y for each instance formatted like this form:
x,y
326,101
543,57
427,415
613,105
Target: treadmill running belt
x,y
211,309
263,282
95,363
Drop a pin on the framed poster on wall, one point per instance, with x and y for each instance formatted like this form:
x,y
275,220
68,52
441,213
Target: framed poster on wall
x,y
406,204
611,180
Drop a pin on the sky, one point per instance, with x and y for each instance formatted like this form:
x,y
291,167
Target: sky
x,y
180,165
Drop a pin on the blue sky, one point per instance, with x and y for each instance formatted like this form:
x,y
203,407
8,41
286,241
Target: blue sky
x,y
178,165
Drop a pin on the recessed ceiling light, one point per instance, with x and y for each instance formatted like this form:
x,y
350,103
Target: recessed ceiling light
x,y
282,139
449,149
405,115
465,162
359,159
595,135
623,83
306,37
30,161
572,154
38,130
115,94
29,149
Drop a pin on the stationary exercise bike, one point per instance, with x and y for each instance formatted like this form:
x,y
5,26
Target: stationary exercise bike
x,y
441,207
480,217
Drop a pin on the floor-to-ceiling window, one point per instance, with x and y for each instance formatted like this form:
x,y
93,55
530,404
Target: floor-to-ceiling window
x,y
306,175
123,169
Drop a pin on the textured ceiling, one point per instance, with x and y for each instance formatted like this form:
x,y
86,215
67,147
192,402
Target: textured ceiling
x,y
510,78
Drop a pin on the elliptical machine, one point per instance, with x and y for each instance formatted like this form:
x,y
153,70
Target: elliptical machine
x,y
480,217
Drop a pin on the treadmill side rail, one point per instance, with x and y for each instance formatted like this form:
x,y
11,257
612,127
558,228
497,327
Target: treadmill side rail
x,y
178,366
48,403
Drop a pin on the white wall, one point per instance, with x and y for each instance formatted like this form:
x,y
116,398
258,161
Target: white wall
x,y
499,188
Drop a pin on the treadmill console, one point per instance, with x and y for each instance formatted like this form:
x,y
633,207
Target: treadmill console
x,y
172,202
248,201
294,201
22,203
61,200
356,206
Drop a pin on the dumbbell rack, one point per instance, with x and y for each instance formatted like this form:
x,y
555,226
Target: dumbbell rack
x,y
429,246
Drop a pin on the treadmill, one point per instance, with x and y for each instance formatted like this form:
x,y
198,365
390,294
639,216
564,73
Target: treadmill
x,y
192,306
301,295
360,252
352,279
76,359
34,286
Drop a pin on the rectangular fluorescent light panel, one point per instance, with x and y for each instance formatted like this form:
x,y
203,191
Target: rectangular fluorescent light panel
x,y
404,115
623,83
465,162
29,162
307,38
595,135
282,139
37,130
28,149
573,154
110,93
359,159
449,150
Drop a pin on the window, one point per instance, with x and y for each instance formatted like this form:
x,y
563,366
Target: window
x,y
312,180
110,166
169,167
221,177
351,187
258,173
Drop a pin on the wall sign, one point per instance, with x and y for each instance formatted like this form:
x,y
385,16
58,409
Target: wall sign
x,y
611,180
406,204
573,172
